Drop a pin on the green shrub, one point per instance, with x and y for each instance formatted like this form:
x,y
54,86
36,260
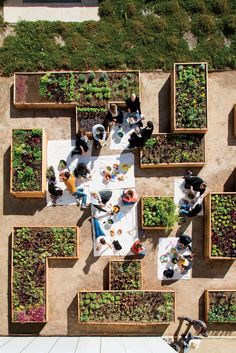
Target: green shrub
x,y
229,24
203,25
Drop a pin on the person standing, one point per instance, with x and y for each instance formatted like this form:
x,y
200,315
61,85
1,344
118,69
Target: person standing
x,y
199,326
133,104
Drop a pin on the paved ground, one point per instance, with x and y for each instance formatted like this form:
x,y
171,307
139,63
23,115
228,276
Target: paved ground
x,y
90,272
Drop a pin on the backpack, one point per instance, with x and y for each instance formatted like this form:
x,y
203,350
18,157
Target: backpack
x,y
117,245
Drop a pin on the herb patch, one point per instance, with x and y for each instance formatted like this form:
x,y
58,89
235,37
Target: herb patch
x,y
31,248
27,160
90,116
127,306
159,212
222,306
125,275
173,148
191,96
223,225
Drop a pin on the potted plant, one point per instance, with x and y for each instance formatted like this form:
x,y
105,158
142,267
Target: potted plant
x,y
173,150
125,274
158,212
220,222
189,98
220,306
32,247
126,307
28,163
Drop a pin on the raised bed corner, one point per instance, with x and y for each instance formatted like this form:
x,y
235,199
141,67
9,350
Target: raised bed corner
x,y
17,185
158,155
130,277
127,307
223,227
220,306
189,116
29,289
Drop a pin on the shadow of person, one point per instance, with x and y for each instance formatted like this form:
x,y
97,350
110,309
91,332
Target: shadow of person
x,y
91,259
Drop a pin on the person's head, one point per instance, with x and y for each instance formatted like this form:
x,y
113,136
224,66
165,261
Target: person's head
x,y
174,260
113,108
99,133
66,175
203,332
133,97
62,163
203,186
139,245
52,178
103,241
81,132
130,193
150,124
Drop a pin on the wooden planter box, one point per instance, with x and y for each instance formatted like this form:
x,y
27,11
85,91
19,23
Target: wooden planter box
x,y
207,302
46,271
174,127
31,194
18,76
126,322
123,261
234,120
171,165
142,214
208,242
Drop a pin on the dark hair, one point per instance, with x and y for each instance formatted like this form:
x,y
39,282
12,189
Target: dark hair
x,y
62,163
174,260
52,178
130,193
81,132
67,175
103,241
150,124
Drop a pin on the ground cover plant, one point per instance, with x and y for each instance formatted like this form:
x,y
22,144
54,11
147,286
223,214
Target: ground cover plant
x,y
125,275
83,88
90,116
27,160
222,306
127,306
137,34
223,225
31,247
191,96
173,148
159,212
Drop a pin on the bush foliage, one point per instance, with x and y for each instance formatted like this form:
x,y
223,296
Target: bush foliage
x,y
131,34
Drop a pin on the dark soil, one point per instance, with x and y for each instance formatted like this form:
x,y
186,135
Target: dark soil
x,y
126,275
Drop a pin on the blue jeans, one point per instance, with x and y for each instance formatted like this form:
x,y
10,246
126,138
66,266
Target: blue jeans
x,y
184,210
97,228
126,203
81,195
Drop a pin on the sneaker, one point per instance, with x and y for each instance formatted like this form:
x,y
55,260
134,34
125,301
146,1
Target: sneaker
x,y
78,201
83,207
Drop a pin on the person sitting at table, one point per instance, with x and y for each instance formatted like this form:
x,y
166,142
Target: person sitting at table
x,y
78,192
96,201
133,104
53,189
129,197
138,248
81,144
194,183
114,115
139,139
99,135
100,236
81,171
184,242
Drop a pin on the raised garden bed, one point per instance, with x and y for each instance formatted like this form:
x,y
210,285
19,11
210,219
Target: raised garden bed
x,y
189,98
87,117
125,274
67,89
220,223
31,249
126,307
158,212
220,306
173,150
28,163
